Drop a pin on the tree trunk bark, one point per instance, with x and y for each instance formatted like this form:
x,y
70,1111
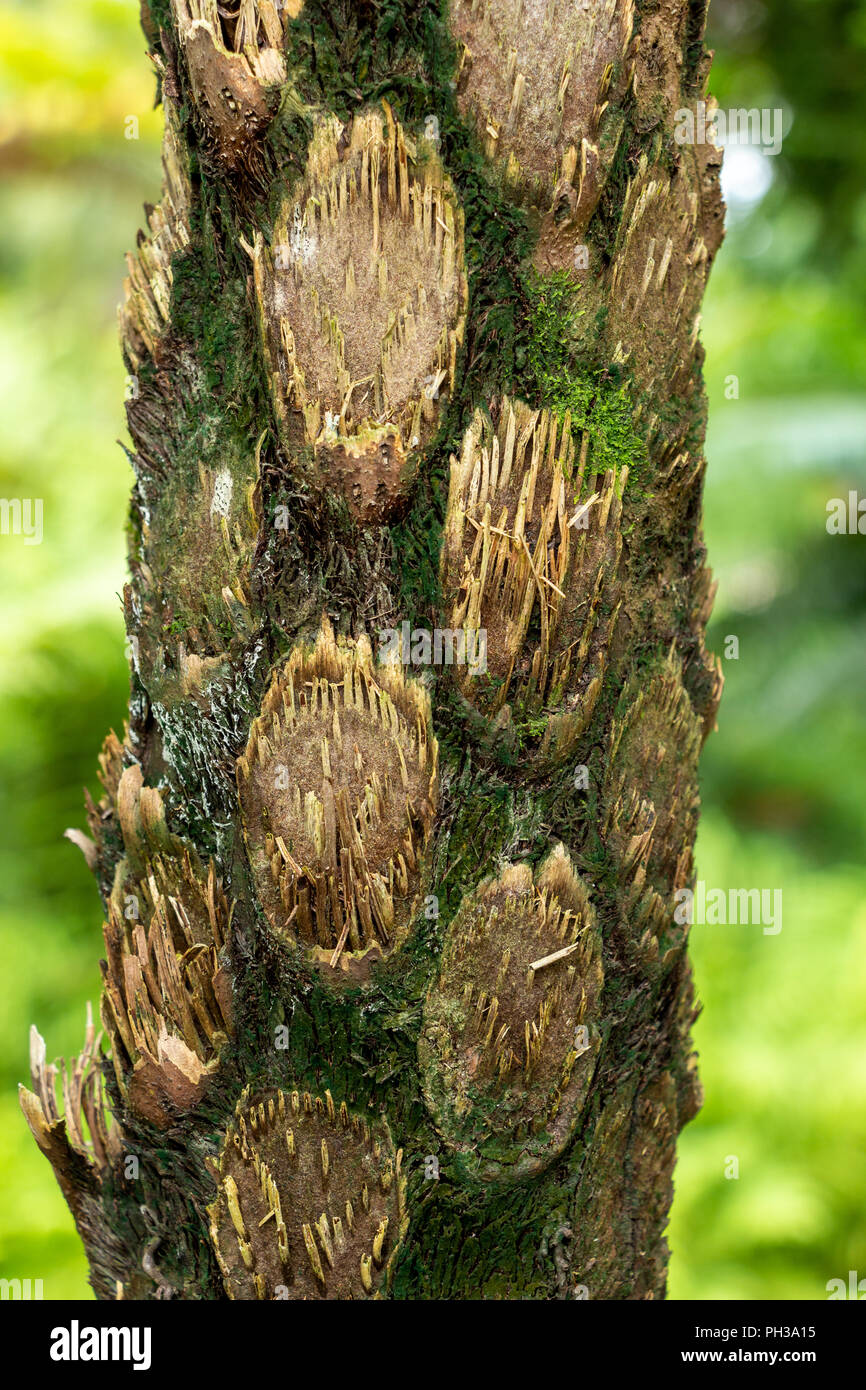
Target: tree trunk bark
x,y
396,983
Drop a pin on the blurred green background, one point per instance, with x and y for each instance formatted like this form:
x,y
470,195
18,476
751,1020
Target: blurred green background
x,y
783,1033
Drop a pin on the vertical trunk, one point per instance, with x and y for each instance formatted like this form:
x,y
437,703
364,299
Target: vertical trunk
x,y
396,992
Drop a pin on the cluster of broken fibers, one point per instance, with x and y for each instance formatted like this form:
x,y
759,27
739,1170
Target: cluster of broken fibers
x,y
360,293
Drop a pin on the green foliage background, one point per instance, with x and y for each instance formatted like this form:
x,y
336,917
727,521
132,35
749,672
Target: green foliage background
x,y
783,1033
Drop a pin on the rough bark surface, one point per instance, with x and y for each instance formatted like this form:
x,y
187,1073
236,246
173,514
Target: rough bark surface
x,y
396,997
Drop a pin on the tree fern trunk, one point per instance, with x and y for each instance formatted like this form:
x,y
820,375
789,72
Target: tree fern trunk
x,y
396,995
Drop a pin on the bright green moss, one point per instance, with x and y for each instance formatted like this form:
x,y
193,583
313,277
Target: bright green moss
x,y
596,400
